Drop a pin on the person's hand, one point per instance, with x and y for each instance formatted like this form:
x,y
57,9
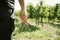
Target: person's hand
x,y
24,18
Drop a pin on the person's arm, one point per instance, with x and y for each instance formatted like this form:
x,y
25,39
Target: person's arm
x,y
22,4
23,15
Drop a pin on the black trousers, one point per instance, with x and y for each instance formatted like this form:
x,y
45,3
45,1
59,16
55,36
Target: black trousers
x,y
6,28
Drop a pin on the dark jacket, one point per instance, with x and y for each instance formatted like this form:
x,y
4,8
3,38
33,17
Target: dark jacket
x,y
6,8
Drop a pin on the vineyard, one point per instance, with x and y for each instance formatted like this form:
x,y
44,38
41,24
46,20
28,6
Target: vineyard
x,y
43,23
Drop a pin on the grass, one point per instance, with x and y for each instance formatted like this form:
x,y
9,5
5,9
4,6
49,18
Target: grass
x,y
36,35
32,32
57,38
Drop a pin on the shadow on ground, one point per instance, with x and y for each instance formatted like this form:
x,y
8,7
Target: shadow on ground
x,y
57,25
29,28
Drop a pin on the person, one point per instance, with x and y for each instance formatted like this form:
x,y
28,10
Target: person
x,y
6,19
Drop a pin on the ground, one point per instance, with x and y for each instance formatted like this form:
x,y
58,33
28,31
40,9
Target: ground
x,y
47,32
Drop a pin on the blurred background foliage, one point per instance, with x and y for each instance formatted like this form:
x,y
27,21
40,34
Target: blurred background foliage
x,y
43,23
